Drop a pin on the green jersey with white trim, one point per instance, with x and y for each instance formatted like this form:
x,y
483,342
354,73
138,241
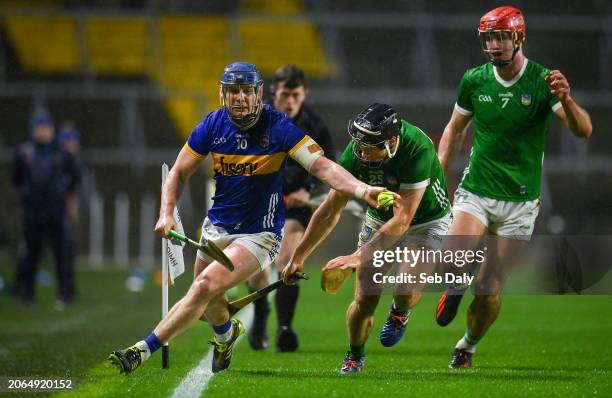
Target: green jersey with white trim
x,y
511,121
415,165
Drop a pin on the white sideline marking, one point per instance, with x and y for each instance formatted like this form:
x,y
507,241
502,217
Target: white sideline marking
x,y
197,379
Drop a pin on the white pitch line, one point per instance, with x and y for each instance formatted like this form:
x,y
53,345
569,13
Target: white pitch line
x,y
197,379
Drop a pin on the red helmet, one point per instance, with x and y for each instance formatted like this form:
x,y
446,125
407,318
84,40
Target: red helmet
x,y
502,19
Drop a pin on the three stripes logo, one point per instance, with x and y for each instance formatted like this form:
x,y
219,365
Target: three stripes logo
x,y
268,220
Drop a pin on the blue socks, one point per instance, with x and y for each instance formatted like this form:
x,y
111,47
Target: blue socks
x,y
221,329
153,342
223,332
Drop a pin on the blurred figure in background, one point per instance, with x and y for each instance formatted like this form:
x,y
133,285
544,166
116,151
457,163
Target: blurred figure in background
x,y
68,140
45,175
68,137
289,92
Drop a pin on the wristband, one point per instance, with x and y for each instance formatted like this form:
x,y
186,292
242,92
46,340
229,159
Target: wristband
x,y
360,191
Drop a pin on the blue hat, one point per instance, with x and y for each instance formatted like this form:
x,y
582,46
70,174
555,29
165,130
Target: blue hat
x,y
67,135
41,118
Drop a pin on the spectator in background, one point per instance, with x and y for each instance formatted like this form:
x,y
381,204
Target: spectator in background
x,y
68,140
288,92
45,175
68,137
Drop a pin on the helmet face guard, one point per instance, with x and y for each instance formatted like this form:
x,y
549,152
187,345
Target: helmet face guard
x,y
242,78
503,37
505,26
373,130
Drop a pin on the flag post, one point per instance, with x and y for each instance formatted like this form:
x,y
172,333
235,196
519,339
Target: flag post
x,y
165,347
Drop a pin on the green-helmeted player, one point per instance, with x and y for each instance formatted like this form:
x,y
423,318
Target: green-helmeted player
x,y
511,101
390,152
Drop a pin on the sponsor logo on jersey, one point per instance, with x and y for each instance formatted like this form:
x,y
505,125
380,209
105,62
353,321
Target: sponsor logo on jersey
x,y
485,98
506,95
247,165
526,99
236,169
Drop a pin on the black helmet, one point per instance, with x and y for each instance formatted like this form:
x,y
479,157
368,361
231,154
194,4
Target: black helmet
x,y
374,127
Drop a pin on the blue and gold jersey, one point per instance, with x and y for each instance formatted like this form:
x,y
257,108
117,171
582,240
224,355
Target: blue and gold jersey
x,y
249,167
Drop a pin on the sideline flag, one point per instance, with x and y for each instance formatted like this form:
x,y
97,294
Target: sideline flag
x,y
176,264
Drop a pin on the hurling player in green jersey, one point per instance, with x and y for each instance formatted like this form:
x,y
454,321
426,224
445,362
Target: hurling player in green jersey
x,y
511,101
390,152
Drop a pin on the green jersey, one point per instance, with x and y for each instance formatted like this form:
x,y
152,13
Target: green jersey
x,y
511,121
415,165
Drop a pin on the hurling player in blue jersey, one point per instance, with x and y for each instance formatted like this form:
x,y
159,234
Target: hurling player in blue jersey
x,y
249,143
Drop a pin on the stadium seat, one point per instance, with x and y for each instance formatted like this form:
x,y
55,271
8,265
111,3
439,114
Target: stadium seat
x,y
192,53
186,57
270,45
44,43
117,45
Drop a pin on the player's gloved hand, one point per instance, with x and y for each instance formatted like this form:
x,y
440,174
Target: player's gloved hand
x,y
288,273
558,84
164,225
343,262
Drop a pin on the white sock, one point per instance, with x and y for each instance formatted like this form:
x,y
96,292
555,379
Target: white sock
x,y
464,345
144,348
222,338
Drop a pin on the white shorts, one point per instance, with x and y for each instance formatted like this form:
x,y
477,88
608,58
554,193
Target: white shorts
x,y
429,234
514,220
263,245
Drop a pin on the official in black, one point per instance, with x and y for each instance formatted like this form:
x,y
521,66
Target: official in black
x,y
288,92
45,177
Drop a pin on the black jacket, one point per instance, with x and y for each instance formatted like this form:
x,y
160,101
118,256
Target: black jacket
x,y
44,176
295,176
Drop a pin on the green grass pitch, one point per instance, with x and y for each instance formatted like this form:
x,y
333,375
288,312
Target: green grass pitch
x,y
540,346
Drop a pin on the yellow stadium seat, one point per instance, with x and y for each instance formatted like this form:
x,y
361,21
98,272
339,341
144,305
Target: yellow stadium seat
x,y
193,51
183,111
269,45
190,51
44,43
118,45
